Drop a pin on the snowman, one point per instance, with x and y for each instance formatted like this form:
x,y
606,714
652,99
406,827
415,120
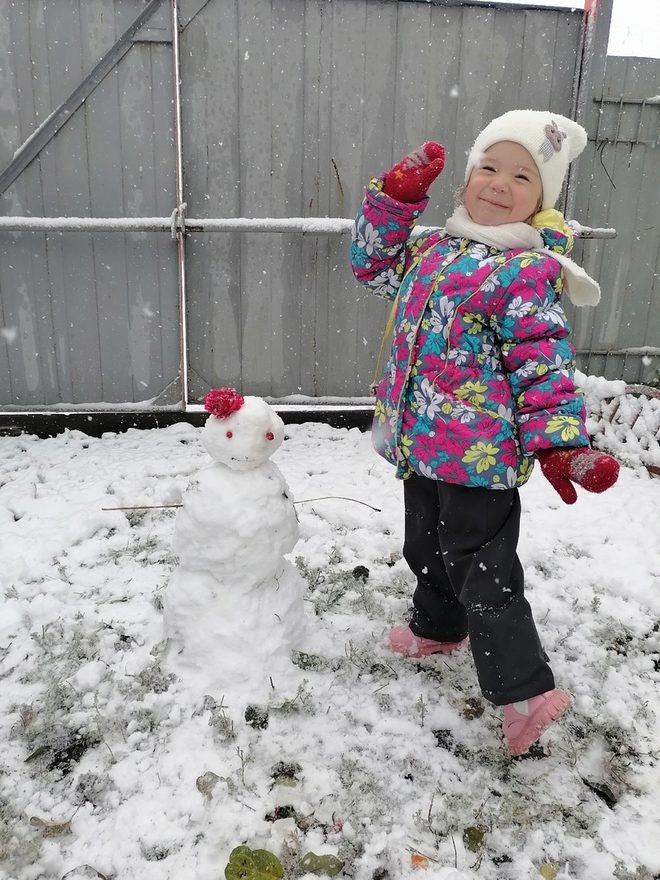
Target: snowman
x,y
233,609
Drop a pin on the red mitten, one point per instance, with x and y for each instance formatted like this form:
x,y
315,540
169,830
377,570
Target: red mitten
x,y
594,471
410,178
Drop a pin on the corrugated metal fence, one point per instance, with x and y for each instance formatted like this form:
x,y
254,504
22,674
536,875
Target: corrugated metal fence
x,y
288,106
86,317
619,186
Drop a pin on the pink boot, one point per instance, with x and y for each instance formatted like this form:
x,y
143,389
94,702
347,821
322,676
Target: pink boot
x,y
524,722
404,641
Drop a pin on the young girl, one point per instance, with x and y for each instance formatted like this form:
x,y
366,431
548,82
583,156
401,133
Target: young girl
x,y
480,383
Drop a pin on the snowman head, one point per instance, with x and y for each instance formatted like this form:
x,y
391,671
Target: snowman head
x,y
241,432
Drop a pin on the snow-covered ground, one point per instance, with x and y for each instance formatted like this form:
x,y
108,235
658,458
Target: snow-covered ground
x,y
108,769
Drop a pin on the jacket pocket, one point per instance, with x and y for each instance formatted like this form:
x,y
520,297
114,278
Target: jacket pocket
x,y
470,388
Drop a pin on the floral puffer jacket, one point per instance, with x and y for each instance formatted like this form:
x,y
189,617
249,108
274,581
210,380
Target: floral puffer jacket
x,y
481,369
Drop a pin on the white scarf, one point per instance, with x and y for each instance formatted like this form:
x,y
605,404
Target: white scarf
x,y
581,289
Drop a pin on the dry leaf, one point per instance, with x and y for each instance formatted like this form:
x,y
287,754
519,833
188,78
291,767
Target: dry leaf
x,y
418,861
50,829
206,783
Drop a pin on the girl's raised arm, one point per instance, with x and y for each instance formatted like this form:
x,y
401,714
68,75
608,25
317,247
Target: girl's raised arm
x,y
391,206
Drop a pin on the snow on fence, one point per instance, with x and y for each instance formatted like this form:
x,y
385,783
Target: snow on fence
x,y
624,420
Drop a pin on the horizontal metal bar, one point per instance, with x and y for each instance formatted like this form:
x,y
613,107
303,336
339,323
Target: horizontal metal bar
x,y
305,225
639,351
634,141
316,225
84,224
589,232
500,4
622,99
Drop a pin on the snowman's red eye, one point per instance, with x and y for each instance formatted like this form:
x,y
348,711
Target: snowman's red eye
x,y
270,435
229,435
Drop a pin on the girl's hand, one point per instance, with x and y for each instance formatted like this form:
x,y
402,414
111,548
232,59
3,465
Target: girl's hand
x,y
409,179
594,471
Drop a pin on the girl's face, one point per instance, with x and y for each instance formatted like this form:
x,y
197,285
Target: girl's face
x,y
504,187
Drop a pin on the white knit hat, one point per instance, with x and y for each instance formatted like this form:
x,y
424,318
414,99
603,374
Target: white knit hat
x,y
552,141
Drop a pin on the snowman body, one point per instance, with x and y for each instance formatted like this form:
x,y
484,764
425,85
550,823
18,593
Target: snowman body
x,y
233,608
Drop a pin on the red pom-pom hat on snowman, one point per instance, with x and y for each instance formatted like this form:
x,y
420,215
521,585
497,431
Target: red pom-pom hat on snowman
x,y
241,432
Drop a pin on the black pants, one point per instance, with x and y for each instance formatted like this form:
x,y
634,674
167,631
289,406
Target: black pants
x,y
461,544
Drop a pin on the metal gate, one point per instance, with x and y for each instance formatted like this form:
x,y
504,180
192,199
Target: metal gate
x,y
272,109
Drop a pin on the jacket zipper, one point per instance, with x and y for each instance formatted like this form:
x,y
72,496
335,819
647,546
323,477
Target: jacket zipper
x,y
414,348
413,351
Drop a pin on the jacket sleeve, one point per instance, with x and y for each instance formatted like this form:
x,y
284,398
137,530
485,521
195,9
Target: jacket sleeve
x,y
539,357
380,247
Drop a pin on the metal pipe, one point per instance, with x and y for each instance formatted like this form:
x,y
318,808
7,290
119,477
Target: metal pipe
x,y
638,350
304,225
588,232
310,225
85,224
180,208
604,99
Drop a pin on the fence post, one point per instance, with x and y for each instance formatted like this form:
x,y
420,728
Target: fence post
x,y
589,74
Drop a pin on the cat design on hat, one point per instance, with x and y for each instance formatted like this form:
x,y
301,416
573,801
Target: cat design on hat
x,y
552,142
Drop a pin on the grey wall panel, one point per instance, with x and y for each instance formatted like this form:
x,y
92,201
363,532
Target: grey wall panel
x,y
23,269
287,293
210,106
352,31
317,182
8,116
257,119
96,315
618,187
